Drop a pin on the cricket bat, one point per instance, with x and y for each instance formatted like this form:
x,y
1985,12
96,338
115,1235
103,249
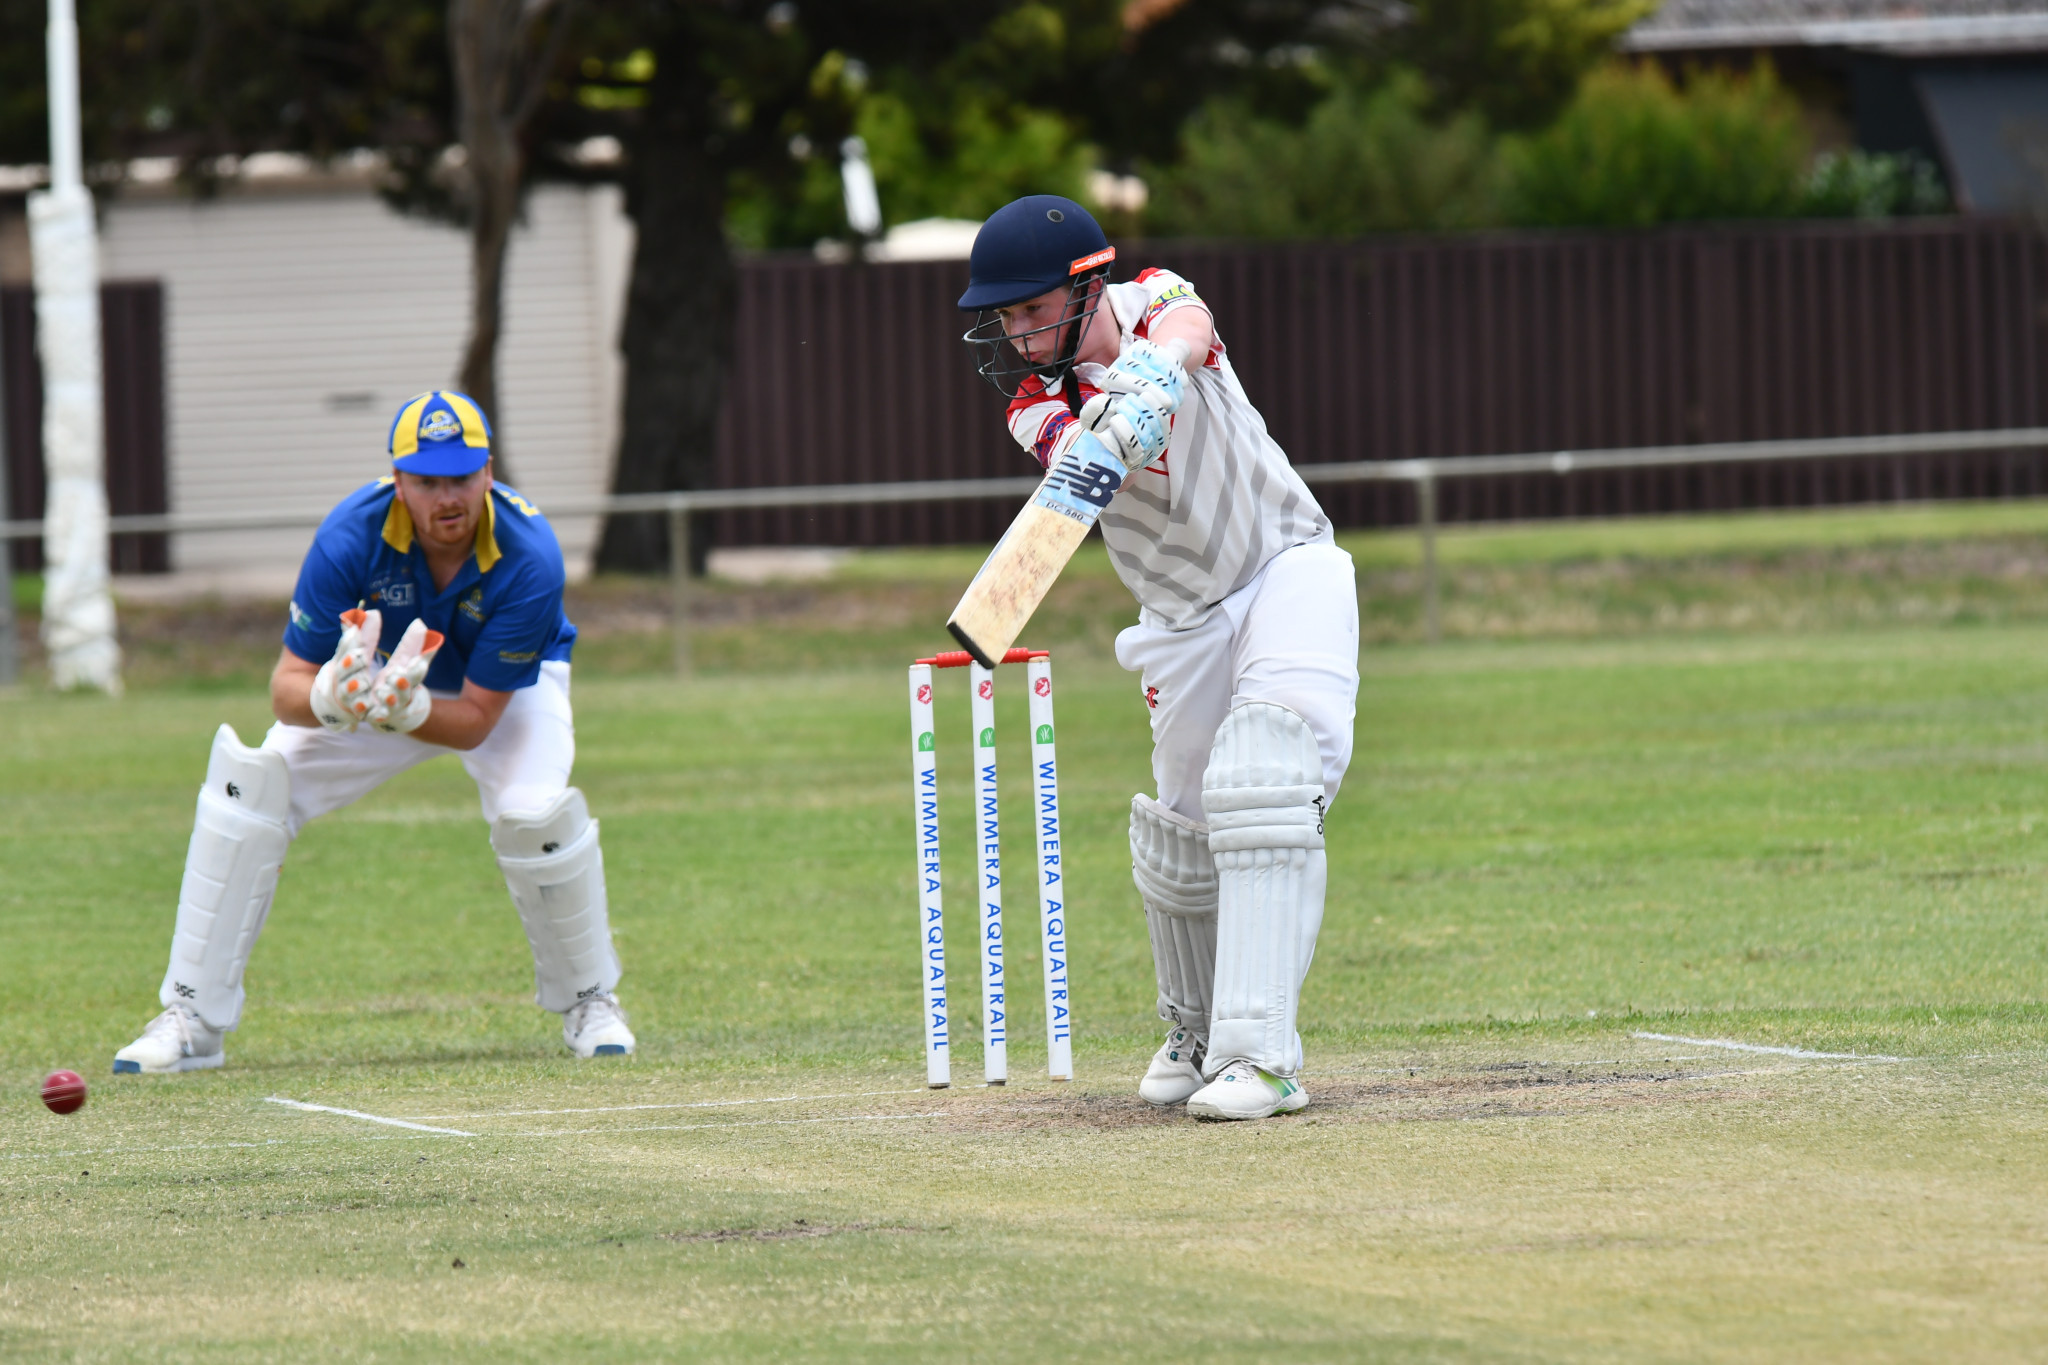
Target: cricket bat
x,y
1019,572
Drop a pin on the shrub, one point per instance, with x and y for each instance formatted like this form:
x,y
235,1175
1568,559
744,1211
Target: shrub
x,y
1858,184
1633,149
1366,160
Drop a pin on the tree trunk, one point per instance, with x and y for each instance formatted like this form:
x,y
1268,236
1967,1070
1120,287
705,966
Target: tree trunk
x,y
498,78
495,208
679,310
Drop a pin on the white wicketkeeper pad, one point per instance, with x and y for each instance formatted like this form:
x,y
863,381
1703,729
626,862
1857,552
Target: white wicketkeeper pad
x,y
239,838
1176,876
1263,794
555,871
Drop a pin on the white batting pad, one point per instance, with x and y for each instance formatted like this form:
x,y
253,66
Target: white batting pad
x,y
1176,876
555,872
239,838
1263,794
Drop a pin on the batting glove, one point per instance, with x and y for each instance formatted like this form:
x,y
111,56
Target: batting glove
x,y
399,700
341,689
1156,373
1140,393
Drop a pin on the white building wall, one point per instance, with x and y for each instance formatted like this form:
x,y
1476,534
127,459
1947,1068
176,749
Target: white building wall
x,y
297,322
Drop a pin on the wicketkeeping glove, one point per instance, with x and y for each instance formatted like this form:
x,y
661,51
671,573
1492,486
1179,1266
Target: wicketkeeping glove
x,y
1140,393
341,689
399,699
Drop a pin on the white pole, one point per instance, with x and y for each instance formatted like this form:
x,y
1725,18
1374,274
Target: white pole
x,y
931,953
988,840
78,612
67,167
1052,895
857,180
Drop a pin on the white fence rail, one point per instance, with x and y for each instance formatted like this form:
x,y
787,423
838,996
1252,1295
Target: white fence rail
x,y
1425,474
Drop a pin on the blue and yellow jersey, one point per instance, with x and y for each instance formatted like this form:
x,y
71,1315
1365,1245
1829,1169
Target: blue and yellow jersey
x,y
501,614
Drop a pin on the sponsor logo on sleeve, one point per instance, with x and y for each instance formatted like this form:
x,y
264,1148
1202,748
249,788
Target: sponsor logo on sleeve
x,y
299,617
506,656
1182,292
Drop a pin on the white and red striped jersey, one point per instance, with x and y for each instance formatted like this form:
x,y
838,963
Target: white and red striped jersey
x,y
1200,522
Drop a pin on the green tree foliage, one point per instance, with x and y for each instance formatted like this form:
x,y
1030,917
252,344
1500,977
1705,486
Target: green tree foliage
x,y
950,134
988,155
229,77
1634,149
1366,160
1390,122
1517,62
1856,184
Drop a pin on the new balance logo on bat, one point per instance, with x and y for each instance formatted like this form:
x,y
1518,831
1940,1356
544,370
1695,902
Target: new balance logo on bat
x,y
1095,484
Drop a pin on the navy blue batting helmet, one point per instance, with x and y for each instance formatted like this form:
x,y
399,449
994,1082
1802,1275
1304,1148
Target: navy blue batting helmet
x,y
1029,247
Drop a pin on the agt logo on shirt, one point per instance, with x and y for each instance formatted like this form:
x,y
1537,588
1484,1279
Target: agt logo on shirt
x,y
398,594
299,617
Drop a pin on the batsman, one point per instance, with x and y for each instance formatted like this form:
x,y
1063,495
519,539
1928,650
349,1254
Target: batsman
x,y
427,620
1247,638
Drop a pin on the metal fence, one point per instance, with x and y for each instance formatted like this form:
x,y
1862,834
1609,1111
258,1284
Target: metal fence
x,y
1425,478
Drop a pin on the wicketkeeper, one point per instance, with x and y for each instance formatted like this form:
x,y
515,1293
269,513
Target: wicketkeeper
x,y
427,620
1246,642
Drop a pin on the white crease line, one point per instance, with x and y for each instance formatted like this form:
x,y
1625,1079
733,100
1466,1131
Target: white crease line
x,y
1760,1047
697,1104
366,1118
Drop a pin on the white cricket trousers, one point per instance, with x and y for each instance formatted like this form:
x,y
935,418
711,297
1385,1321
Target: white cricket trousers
x,y
1289,636
522,764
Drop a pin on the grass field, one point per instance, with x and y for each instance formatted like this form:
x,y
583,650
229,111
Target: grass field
x,y
1826,838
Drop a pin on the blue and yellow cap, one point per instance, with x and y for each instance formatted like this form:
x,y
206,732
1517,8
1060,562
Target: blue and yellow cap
x,y
440,432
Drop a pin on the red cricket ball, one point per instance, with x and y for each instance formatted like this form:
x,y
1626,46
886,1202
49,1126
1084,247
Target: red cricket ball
x,y
64,1092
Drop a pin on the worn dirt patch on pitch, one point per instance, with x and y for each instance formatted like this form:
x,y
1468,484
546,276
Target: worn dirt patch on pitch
x,y
1497,1090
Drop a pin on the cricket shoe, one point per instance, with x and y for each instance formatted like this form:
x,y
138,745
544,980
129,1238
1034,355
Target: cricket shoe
x,y
1176,1070
597,1028
1244,1091
175,1040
